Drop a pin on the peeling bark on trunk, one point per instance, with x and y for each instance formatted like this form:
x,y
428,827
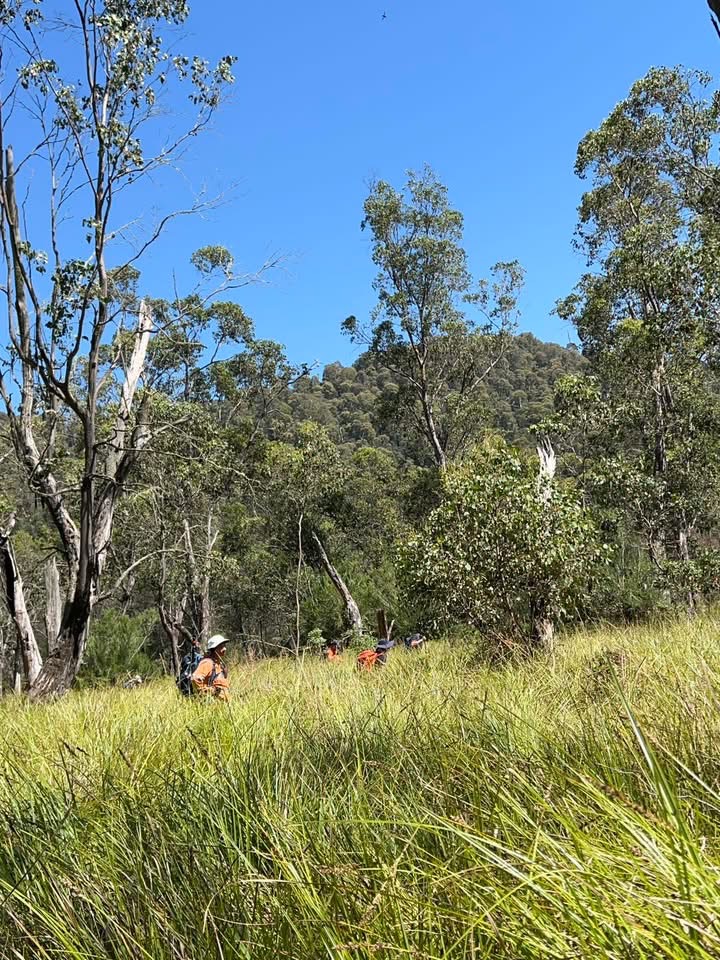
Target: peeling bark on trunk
x,y
62,666
17,608
352,617
176,635
98,498
684,554
199,585
53,604
107,460
172,618
17,670
543,628
663,403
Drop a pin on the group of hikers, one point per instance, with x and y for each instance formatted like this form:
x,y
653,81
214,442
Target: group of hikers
x,y
208,674
374,656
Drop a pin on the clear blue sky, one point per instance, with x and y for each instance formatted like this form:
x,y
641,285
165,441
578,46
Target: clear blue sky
x,y
495,96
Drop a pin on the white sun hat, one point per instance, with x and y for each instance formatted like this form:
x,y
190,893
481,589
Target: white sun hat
x,y
216,641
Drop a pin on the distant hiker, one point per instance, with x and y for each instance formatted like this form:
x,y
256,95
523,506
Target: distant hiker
x,y
369,659
188,665
382,650
332,651
210,676
414,641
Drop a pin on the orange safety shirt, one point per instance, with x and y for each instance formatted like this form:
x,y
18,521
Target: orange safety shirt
x,y
211,677
367,660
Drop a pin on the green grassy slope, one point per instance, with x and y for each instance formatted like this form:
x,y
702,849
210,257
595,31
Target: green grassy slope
x,y
434,810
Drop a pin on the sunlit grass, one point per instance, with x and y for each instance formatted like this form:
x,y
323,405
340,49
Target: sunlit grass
x,y
566,808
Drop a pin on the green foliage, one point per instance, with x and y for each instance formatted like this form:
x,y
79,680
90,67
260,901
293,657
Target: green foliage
x,y
316,641
208,259
117,647
642,428
420,329
363,404
495,554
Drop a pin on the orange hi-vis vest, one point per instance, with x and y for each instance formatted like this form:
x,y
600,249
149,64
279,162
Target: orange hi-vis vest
x,y
211,677
367,660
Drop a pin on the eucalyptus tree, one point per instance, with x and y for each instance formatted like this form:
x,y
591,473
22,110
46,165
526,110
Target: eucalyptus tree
x,y
507,550
212,418
86,79
420,329
301,476
647,311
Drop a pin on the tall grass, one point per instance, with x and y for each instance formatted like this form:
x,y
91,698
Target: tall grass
x,y
567,808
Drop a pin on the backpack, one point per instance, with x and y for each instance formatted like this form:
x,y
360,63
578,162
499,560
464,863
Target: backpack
x,y
188,666
367,660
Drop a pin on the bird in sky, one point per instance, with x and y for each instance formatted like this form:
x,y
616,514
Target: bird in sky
x,y
384,16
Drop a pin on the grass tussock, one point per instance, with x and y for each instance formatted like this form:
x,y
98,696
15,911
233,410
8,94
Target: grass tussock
x,y
566,808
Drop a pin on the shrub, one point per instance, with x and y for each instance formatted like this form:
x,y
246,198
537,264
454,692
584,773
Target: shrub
x,y
495,554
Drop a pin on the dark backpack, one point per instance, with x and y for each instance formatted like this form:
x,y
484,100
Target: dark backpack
x,y
188,666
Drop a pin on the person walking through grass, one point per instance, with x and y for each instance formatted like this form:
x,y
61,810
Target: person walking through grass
x,y
211,675
414,641
332,651
370,659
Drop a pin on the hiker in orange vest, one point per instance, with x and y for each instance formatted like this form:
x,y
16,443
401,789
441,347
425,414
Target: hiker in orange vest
x,y
369,659
415,641
210,676
331,650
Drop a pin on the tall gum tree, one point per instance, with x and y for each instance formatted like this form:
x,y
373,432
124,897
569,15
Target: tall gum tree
x,y
646,311
76,345
420,329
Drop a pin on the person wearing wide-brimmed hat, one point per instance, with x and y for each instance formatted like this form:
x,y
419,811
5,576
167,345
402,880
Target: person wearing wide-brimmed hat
x,y
382,650
211,675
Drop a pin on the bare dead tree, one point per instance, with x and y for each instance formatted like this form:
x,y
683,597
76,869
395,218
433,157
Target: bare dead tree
x,y
352,616
543,626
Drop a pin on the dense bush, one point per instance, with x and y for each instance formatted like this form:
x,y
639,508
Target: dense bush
x,y
495,554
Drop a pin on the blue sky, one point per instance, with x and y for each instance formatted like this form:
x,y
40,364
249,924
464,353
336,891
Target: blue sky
x,y
495,96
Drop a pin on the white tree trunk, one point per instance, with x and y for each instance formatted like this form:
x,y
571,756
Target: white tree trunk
x,y
98,499
542,623
353,618
17,607
53,604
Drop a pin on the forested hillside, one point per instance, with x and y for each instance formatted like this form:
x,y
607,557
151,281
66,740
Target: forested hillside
x,y
359,404
343,432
